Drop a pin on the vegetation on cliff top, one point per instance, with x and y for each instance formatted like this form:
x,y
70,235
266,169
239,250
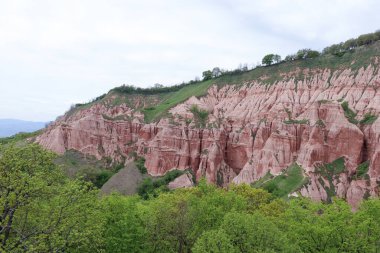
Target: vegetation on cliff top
x,y
352,54
198,89
20,137
44,211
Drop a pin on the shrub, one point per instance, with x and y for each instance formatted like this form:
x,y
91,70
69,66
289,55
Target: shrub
x,y
118,167
307,54
199,115
312,54
349,113
149,186
130,89
102,178
19,137
290,57
140,164
362,169
295,121
368,119
207,75
149,108
145,188
366,39
320,123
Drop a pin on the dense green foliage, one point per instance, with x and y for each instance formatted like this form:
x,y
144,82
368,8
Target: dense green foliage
x,y
348,45
240,219
41,210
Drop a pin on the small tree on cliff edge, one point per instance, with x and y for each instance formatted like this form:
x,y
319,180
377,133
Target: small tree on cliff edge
x,y
269,59
207,75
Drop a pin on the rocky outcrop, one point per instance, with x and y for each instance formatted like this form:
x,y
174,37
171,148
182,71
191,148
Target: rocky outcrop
x,y
98,131
183,181
252,129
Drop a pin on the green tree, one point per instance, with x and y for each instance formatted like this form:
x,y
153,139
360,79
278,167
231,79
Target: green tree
x,y
365,235
214,241
268,59
254,198
166,223
276,58
70,219
216,72
255,233
312,54
40,209
306,54
377,35
319,227
207,207
274,208
207,75
366,39
334,49
350,44
123,227
290,57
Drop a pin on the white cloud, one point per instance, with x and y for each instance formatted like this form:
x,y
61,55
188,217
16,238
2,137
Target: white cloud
x,y
54,52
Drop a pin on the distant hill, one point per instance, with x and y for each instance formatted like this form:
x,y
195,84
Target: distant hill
x,y
9,127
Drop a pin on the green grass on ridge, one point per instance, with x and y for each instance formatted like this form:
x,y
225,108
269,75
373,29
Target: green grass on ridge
x,y
288,182
158,104
177,97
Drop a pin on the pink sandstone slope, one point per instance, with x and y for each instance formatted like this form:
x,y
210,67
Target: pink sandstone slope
x,y
252,129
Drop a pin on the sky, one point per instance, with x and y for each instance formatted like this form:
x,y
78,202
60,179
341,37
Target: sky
x,y
57,53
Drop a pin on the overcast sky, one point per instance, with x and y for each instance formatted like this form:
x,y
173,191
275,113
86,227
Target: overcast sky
x,y
56,53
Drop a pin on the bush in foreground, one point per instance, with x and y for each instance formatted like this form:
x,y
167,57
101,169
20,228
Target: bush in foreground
x,y
43,211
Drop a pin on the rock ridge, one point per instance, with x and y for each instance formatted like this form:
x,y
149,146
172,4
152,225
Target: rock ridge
x,y
252,129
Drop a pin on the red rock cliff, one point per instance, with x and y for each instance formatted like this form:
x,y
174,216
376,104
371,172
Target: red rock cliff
x,y
252,129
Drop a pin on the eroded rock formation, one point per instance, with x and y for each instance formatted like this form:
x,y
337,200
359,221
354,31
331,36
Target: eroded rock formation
x,y
252,129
